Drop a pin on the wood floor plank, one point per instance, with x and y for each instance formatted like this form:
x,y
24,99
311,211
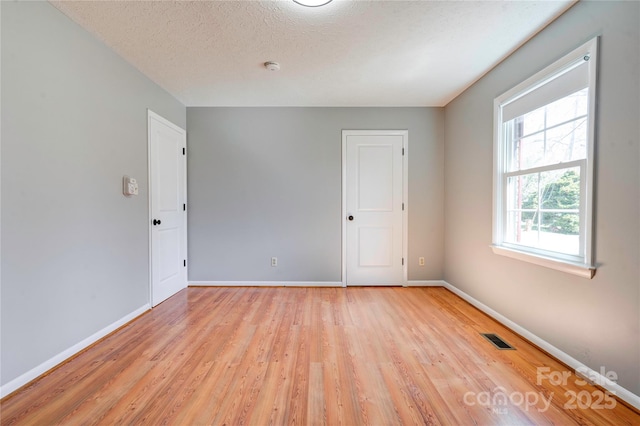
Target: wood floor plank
x,y
315,356
316,408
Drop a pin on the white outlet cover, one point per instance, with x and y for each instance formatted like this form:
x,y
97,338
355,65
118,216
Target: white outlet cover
x,y
129,186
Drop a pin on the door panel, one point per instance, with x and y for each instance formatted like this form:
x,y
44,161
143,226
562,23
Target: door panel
x,y
373,174
169,246
375,246
375,178
167,169
167,183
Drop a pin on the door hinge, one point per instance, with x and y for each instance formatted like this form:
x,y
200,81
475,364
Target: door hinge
x,y
403,151
184,208
184,151
403,261
403,206
184,263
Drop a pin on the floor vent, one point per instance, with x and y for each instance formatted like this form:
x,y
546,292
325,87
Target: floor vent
x,y
497,341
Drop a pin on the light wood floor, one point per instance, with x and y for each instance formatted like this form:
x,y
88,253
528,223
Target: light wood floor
x,y
309,356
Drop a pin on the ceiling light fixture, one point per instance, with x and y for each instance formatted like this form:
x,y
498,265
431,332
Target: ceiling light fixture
x,y
312,3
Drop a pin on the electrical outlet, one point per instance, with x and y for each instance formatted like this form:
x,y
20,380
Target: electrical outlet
x,y
274,261
421,261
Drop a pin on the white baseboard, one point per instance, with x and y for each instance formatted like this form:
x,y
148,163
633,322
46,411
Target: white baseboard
x,y
426,283
22,380
265,284
313,284
603,381
413,283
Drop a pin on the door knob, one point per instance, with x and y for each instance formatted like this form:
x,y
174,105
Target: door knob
x,y
157,221
350,217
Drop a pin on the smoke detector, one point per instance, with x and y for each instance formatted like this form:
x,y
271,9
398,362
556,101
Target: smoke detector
x,y
272,66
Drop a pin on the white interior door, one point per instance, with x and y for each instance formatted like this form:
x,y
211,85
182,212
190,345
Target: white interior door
x,y
168,198
373,232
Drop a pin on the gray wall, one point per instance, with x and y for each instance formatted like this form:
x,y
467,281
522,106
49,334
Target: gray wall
x,y
74,250
596,321
266,182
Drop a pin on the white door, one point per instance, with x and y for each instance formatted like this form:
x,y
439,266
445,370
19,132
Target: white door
x,y
374,192
168,198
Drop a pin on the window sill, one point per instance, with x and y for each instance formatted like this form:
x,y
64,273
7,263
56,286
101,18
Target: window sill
x,y
583,271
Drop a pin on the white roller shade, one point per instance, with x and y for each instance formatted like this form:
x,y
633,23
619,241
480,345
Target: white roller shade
x,y
571,80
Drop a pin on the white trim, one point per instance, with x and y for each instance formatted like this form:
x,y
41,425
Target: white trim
x,y
36,372
578,269
405,197
343,215
405,211
550,167
426,283
151,114
589,190
149,210
0,180
567,359
265,284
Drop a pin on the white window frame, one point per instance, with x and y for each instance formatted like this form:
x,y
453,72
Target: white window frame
x,y
580,265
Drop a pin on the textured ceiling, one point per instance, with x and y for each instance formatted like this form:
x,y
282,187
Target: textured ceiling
x,y
348,53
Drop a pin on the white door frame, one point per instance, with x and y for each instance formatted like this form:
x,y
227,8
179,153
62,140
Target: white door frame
x,y
405,195
150,115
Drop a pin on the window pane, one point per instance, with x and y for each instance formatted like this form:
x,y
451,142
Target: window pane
x,y
560,189
522,192
522,206
533,122
559,232
543,210
522,228
514,227
531,152
567,108
567,142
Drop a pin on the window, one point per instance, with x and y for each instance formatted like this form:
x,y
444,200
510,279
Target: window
x,y
543,170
